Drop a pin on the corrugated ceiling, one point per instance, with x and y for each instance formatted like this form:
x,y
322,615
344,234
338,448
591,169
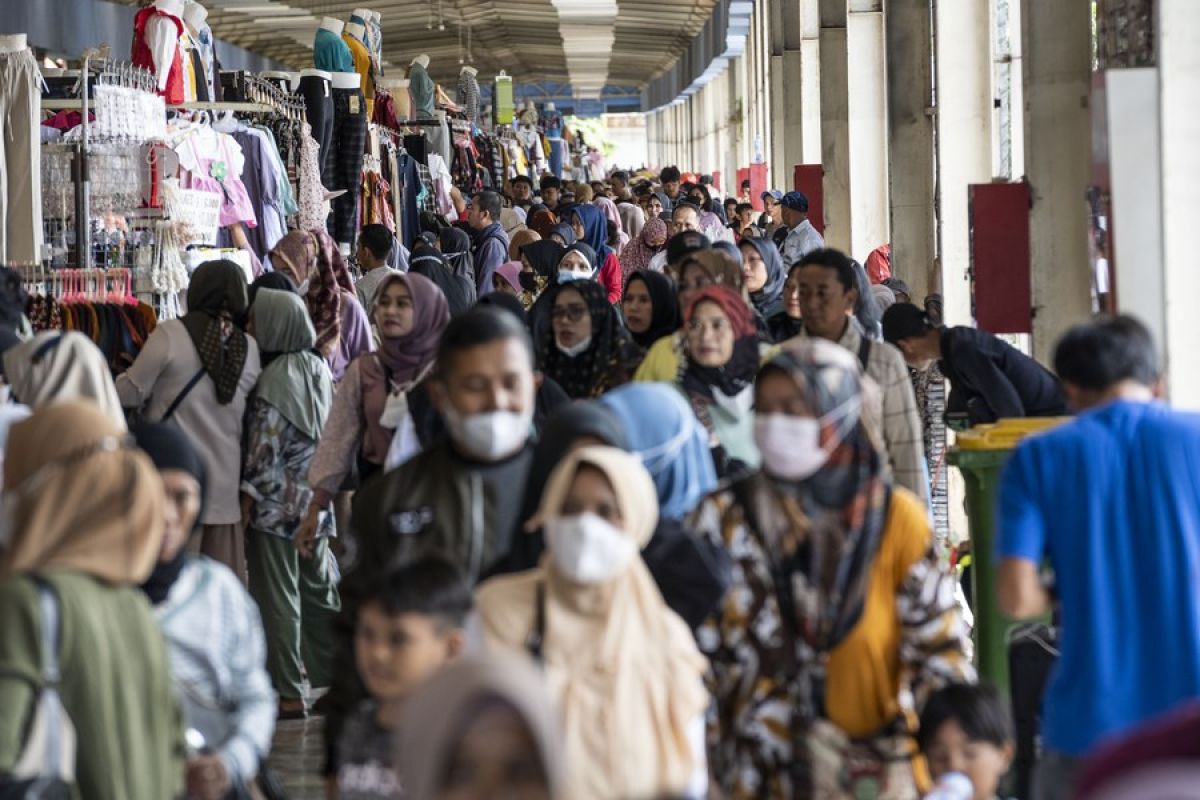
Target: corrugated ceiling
x,y
521,37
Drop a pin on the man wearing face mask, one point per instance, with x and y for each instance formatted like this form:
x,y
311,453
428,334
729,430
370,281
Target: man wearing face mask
x,y
462,495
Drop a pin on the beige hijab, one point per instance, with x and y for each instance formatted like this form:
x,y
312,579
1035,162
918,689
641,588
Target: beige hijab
x,y
84,500
436,716
622,666
55,366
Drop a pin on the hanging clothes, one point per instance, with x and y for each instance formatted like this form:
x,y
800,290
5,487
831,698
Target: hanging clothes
x,y
156,48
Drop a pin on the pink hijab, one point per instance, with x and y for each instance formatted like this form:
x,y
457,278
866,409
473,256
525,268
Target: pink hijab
x,y
614,216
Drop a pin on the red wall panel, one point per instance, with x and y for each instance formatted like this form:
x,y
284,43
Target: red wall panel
x,y
1000,257
809,179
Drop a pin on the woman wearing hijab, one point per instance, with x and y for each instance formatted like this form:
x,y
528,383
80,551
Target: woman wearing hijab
x,y
540,269
507,279
591,228
314,263
542,222
54,366
668,356
840,621
657,204
213,630
519,240
645,246
622,667
482,727
578,263
633,219
663,432
563,234
455,244
429,262
764,275
711,224
585,349
614,218
371,402
86,517
722,357
297,597
650,307
198,371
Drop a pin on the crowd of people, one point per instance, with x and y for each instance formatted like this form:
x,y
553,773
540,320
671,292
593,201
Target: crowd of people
x,y
610,490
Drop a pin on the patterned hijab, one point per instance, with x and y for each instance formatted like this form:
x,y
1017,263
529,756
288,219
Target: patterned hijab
x,y
610,358
309,257
639,252
836,517
216,296
55,366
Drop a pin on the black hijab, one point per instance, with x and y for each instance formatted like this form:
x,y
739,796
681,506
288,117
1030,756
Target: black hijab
x,y
607,359
664,303
169,448
429,263
456,247
217,289
543,256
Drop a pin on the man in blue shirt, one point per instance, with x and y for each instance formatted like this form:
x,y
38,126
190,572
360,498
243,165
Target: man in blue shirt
x,y
1112,502
490,248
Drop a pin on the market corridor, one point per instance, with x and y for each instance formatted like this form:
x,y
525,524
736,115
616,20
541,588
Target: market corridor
x,y
579,400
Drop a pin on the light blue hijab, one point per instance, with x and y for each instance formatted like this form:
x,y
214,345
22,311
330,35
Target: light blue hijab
x,y
664,433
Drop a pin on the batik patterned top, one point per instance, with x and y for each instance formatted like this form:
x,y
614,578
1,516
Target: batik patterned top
x,y
275,472
910,640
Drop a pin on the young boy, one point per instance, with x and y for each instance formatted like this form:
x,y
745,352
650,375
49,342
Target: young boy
x,y
409,625
966,729
374,249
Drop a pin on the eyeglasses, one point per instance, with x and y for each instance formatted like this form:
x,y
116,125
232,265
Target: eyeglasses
x,y
571,313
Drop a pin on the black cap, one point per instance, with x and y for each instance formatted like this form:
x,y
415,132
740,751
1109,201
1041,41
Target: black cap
x,y
669,175
522,179
684,244
903,321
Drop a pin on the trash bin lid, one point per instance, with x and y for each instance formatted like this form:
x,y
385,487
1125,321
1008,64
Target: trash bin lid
x,y
1005,434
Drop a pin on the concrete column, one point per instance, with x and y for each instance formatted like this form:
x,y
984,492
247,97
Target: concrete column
x,y
867,77
1179,87
835,123
810,82
1057,45
964,139
910,132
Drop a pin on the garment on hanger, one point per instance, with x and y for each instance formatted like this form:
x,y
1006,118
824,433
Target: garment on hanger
x,y
203,39
318,109
211,161
312,212
21,155
346,153
260,177
468,96
156,48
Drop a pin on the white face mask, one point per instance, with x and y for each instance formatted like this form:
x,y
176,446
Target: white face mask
x,y
574,349
570,276
791,446
302,289
490,436
588,549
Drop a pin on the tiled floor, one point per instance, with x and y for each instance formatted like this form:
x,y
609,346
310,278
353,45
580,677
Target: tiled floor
x,y
297,755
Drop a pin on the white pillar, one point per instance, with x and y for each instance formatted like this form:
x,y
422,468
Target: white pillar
x,y
1179,81
867,111
964,137
910,156
1057,46
835,123
810,82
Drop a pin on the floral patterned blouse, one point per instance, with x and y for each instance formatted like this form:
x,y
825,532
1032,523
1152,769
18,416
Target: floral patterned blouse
x,y
275,473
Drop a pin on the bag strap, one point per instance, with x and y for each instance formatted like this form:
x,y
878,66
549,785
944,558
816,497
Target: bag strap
x,y
534,643
864,352
182,394
49,611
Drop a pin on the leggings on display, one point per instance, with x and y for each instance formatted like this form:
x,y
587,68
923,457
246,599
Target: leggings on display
x,y
318,106
20,159
557,146
346,154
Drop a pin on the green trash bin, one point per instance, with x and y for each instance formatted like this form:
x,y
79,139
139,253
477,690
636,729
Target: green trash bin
x,y
980,455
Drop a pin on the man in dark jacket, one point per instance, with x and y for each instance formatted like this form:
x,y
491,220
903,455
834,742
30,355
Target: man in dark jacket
x,y
462,495
989,378
490,249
